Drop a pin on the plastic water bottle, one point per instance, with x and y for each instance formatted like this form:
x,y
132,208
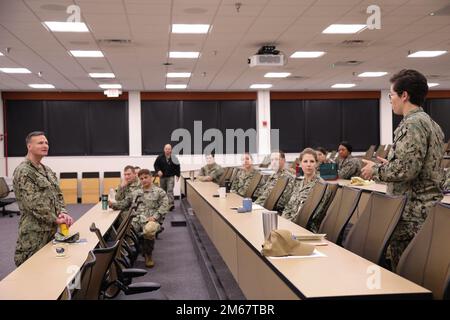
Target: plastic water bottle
x,y
112,195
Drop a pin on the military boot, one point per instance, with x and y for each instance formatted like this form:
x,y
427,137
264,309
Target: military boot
x,y
149,262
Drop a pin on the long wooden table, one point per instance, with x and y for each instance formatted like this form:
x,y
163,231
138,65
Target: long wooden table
x,y
44,276
239,237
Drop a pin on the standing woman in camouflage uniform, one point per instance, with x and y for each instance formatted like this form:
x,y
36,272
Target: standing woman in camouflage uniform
x,y
40,200
412,167
244,176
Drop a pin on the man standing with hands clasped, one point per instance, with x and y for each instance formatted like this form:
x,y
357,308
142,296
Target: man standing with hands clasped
x,y
40,200
412,167
167,167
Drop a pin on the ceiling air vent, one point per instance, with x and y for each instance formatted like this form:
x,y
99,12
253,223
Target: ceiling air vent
x,y
348,63
296,78
114,42
354,43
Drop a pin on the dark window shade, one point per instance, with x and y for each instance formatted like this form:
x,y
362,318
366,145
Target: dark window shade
x,y
22,117
323,123
108,129
73,128
66,127
360,123
439,111
238,115
159,119
205,111
289,118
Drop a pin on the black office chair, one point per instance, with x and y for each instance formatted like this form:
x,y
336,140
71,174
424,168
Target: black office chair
x,y
4,201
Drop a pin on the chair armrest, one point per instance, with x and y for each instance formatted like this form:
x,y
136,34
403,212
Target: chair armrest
x,y
142,287
133,272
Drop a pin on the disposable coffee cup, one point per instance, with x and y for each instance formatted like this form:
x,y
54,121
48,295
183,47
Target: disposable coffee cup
x,y
270,222
222,192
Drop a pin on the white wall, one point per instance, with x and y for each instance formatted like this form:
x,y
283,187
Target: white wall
x,y
385,118
263,114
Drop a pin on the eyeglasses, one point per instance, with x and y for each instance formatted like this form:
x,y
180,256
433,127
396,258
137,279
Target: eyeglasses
x,y
390,95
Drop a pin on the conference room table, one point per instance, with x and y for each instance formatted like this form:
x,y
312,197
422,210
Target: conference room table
x,y
44,276
332,272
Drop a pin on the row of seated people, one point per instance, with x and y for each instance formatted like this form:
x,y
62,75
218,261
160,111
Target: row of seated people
x,y
311,203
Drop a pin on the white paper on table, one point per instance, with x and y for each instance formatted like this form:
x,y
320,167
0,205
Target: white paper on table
x,y
257,207
316,254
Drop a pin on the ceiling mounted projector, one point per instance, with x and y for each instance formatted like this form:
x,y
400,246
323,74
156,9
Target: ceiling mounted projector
x,y
267,56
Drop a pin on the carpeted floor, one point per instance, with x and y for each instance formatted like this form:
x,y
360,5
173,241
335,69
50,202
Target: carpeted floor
x,y
176,266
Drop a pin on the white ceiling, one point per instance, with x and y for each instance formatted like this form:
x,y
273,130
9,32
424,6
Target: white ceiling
x,y
291,24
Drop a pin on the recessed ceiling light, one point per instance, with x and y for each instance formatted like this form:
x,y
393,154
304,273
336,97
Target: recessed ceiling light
x,y
178,74
432,84
343,85
176,86
110,86
183,54
102,75
15,70
344,28
41,86
277,74
426,54
372,74
86,53
261,86
57,26
190,28
307,54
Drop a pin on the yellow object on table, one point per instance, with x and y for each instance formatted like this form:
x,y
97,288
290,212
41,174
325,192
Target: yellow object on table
x,y
64,229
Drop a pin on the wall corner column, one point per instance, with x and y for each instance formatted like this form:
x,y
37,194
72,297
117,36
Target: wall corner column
x,y
263,125
134,123
386,130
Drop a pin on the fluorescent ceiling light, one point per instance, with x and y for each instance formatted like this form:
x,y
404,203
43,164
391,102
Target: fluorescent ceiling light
x,y
186,54
176,86
86,53
15,70
277,74
344,28
261,86
110,86
102,75
190,28
57,26
178,74
432,84
307,54
343,85
41,86
426,54
372,74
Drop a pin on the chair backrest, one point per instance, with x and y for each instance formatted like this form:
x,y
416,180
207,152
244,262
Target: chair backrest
x,y
266,162
4,189
85,278
275,193
111,179
369,153
225,175
104,257
234,174
370,235
253,185
339,213
426,260
380,150
306,211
